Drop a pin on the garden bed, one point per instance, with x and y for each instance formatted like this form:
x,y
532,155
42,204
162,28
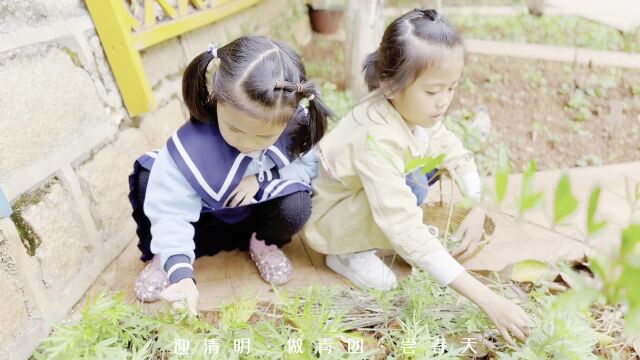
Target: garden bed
x,y
561,114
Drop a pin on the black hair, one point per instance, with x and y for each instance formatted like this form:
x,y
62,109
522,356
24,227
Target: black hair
x,y
262,77
410,44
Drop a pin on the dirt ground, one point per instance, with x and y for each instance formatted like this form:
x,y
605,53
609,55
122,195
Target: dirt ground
x,y
560,114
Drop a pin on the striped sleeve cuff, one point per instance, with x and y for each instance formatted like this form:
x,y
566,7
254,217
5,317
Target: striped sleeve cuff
x,y
442,266
178,267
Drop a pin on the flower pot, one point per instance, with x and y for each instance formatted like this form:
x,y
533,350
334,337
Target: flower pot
x,y
325,21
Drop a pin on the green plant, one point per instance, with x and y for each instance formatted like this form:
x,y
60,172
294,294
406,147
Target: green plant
x,y
632,194
528,197
564,202
594,226
108,329
425,163
341,102
579,105
562,331
502,175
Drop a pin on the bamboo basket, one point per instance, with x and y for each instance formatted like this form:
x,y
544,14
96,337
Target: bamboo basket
x,y
448,215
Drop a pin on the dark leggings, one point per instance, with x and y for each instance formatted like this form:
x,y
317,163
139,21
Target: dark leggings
x,y
274,221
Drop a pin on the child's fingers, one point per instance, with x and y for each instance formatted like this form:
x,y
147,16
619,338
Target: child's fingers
x,y
192,307
506,336
463,246
238,199
177,305
460,232
471,248
246,200
170,295
518,333
231,197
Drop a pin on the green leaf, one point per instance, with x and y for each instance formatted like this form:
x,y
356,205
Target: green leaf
x,y
427,163
528,198
604,339
565,203
502,174
529,271
594,226
630,242
630,261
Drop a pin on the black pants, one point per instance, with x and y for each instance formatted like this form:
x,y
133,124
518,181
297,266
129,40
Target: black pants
x,y
274,221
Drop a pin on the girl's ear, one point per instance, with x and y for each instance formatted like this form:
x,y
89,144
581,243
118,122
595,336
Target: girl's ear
x,y
385,87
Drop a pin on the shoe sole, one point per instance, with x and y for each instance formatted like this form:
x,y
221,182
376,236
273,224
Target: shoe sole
x,y
336,265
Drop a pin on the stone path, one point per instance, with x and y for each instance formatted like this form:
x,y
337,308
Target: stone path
x,y
223,277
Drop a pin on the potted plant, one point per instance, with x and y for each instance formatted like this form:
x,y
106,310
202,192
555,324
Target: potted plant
x,y
326,15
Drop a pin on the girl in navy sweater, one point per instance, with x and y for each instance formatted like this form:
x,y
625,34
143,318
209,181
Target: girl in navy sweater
x,y
236,175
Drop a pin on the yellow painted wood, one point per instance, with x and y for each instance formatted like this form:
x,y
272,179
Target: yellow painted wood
x,y
114,24
110,19
199,4
173,28
183,7
149,13
168,8
131,20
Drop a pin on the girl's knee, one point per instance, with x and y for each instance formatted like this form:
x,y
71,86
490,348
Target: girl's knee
x,y
296,209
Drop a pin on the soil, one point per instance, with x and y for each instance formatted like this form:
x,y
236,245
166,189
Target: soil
x,y
560,114
532,114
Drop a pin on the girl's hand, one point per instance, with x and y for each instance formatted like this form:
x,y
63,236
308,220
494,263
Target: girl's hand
x,y
244,193
470,231
182,293
508,318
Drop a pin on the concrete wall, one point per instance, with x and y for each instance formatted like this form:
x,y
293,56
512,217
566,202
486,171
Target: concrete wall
x,y
67,146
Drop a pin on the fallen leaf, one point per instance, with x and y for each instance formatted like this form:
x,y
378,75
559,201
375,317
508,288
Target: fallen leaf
x,y
604,339
529,271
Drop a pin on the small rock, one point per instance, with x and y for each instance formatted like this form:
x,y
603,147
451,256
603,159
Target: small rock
x,y
482,122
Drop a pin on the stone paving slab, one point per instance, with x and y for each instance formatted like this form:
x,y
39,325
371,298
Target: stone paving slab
x,y
553,53
229,275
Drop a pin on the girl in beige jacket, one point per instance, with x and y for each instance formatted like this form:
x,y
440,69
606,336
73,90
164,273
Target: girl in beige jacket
x,y
363,201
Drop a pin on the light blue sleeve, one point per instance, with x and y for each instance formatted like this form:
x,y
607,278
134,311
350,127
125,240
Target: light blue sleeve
x,y
171,204
303,169
5,208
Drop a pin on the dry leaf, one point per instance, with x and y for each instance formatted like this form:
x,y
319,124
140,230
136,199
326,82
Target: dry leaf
x,y
529,271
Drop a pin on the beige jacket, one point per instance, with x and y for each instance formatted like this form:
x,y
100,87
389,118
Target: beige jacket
x,y
361,200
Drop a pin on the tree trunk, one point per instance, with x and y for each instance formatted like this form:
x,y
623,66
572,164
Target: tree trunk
x,y
364,26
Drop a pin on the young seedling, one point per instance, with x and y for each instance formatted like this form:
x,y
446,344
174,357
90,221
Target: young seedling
x,y
565,203
594,226
502,175
529,198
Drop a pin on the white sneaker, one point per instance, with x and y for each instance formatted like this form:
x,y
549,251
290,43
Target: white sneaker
x,y
364,269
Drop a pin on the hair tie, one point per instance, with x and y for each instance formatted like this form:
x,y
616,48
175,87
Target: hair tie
x,y
311,97
299,87
279,84
213,49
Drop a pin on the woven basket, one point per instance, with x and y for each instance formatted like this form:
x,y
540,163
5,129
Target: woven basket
x,y
438,215
447,216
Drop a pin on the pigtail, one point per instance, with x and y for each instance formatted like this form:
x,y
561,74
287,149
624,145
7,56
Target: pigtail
x,y
194,88
370,68
312,123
